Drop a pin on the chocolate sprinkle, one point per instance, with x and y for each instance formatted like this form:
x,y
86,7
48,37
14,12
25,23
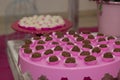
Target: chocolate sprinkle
x,y
53,58
70,60
58,48
76,49
27,50
36,55
108,55
49,51
85,53
96,49
89,58
66,54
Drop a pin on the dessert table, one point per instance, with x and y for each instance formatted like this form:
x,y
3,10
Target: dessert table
x,y
12,52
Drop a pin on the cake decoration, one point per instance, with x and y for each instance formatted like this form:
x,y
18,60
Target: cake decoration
x,y
59,34
83,54
96,51
65,39
91,37
108,57
49,51
28,41
48,38
36,56
76,49
55,43
39,47
58,48
117,44
86,41
80,39
66,54
27,50
41,42
90,60
70,62
116,51
53,60
36,37
26,46
87,47
71,32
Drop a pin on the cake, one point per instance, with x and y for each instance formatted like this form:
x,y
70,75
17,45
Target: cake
x,y
38,22
71,56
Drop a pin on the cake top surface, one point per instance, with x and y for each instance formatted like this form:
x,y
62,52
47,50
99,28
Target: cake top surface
x,y
41,21
69,52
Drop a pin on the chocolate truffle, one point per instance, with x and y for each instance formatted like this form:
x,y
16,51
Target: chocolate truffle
x,y
41,42
85,53
36,55
71,32
27,41
117,42
116,50
103,46
108,55
26,46
89,58
76,49
55,43
49,51
100,34
66,54
39,47
27,50
87,46
91,37
80,38
59,34
70,60
48,38
101,39
70,43
53,58
110,38
58,48
65,39
96,50
86,32
86,41
36,38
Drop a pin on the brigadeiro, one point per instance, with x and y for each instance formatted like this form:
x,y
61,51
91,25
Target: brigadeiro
x,y
102,41
36,56
83,54
70,62
85,34
65,54
86,41
27,52
36,37
41,42
58,49
25,46
69,45
108,57
39,47
117,44
104,47
48,38
59,34
96,51
91,37
48,52
65,39
87,47
79,39
75,50
27,41
100,35
90,60
71,32
116,51
52,60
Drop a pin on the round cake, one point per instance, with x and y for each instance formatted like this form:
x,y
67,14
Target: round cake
x,y
71,56
41,22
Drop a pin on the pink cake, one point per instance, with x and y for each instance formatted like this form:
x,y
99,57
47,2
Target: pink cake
x,y
70,56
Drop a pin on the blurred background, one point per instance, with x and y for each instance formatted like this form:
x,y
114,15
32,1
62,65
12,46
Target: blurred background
x,y
12,10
